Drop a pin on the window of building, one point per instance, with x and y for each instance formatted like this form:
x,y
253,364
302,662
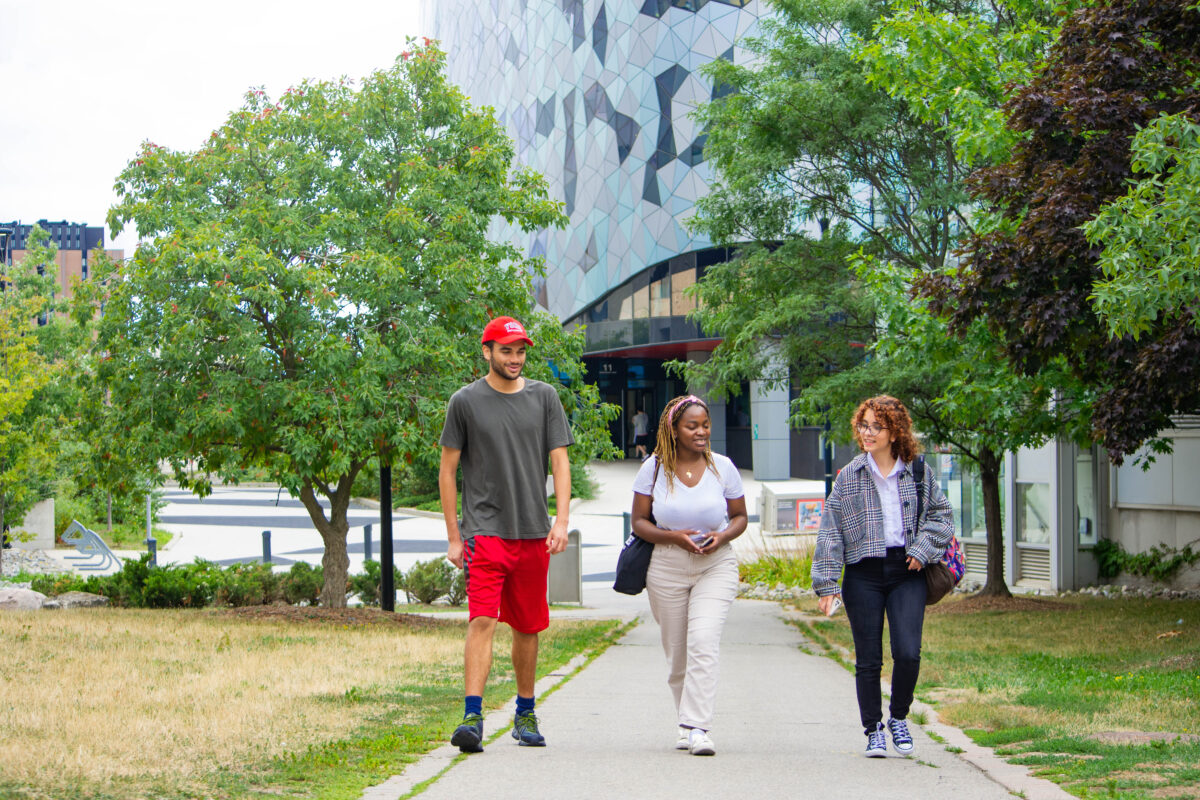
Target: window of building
x,y
660,297
681,303
1033,513
641,303
964,489
1085,497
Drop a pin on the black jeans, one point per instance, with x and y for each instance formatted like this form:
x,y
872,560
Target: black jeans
x,y
870,588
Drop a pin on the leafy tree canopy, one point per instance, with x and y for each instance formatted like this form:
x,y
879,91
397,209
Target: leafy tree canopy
x,y
313,284
799,135
26,432
1116,67
1151,235
956,62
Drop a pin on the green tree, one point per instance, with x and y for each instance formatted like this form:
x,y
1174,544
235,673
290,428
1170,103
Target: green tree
x,y
26,437
959,389
956,63
799,138
825,123
1116,67
1151,235
313,284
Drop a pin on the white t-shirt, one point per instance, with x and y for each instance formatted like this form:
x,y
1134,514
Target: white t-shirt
x,y
701,507
640,424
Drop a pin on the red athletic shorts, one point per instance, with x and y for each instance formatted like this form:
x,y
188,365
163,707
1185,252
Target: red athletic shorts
x,y
506,579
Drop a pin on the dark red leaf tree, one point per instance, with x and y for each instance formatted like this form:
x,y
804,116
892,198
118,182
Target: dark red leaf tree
x,y
1117,66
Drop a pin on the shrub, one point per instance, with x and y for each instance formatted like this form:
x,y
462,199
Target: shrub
x,y
426,581
57,584
248,584
583,485
180,587
366,584
458,588
129,582
302,584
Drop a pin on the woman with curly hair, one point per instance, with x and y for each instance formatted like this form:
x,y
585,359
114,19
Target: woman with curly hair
x,y
869,527
689,502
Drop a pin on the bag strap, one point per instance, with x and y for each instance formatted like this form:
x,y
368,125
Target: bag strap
x,y
918,468
654,481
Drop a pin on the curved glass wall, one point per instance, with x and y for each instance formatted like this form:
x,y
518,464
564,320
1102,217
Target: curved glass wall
x,y
598,96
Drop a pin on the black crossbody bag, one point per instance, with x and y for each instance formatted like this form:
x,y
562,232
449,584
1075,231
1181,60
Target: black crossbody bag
x,y
635,555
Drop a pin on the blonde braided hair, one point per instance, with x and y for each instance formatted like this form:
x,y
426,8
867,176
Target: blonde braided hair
x,y
665,448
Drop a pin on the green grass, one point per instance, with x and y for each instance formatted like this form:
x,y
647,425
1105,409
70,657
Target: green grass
x,y
1036,684
789,567
400,724
132,536
128,535
397,721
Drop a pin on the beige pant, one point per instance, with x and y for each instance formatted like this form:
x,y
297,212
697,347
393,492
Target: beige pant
x,y
690,596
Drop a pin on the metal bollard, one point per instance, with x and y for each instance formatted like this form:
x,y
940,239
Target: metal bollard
x,y
151,545
266,547
366,541
626,525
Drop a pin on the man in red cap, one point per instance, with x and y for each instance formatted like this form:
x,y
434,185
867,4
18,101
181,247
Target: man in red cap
x,y
502,429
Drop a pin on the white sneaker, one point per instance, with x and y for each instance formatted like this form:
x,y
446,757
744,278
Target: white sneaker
x,y
682,743
699,744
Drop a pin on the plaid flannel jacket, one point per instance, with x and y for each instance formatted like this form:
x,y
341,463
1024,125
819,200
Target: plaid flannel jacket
x,y
852,523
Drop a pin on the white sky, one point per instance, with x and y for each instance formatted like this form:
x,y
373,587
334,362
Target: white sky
x,y
89,80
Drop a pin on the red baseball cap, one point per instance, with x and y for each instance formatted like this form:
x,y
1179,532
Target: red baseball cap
x,y
505,330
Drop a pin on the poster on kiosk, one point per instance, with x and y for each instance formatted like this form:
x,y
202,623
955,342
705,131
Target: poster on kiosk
x,y
791,507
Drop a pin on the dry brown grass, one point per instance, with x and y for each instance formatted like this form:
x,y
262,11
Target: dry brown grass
x,y
94,695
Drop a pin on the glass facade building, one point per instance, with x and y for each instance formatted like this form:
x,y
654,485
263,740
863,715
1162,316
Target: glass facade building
x,y
598,96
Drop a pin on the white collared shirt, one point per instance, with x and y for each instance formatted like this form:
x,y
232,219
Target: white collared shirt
x,y
889,498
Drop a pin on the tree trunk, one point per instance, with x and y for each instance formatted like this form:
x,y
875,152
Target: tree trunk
x,y
3,535
108,510
335,563
989,476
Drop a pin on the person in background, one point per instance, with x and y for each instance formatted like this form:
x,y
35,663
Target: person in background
x,y
503,429
869,527
641,434
689,502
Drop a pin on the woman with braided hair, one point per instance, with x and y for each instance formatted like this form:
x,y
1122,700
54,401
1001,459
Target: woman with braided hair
x,y
689,502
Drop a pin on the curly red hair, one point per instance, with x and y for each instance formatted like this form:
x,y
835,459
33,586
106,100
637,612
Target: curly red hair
x,y
891,414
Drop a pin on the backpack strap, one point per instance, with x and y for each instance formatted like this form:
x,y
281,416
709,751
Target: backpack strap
x,y
918,469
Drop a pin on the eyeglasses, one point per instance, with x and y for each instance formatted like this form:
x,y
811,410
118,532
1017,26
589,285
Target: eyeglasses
x,y
870,429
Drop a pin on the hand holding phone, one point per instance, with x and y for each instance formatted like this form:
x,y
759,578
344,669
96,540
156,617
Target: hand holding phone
x,y
702,539
834,606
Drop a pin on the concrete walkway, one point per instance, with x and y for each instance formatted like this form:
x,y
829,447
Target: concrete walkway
x,y
786,725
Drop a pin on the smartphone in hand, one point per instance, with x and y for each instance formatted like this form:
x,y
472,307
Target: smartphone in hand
x,y
834,606
702,539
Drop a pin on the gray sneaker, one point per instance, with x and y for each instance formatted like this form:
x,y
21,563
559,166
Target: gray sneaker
x,y
525,730
468,737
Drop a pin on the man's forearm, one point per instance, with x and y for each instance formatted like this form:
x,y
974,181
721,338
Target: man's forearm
x,y
562,488
448,492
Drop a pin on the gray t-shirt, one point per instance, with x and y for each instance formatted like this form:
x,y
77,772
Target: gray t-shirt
x,y
505,441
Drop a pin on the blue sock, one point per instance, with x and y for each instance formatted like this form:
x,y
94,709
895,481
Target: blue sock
x,y
474,704
524,705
